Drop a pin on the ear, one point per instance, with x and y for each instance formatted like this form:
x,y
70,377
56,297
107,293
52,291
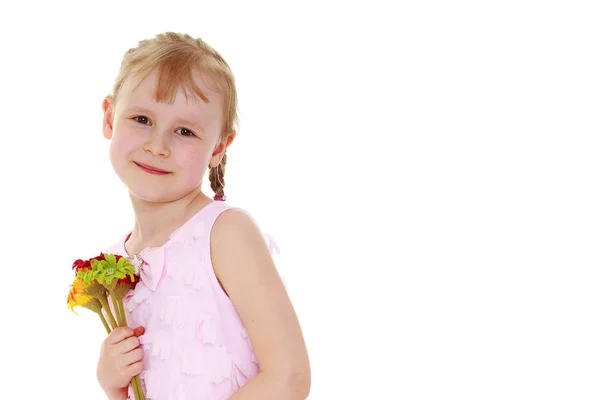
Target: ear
x,y
221,148
107,121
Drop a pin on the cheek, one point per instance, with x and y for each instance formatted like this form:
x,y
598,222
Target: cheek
x,y
122,144
194,163
120,151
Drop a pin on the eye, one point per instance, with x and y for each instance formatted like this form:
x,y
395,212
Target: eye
x,y
185,132
141,119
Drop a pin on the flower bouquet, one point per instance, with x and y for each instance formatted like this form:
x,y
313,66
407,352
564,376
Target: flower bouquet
x,y
97,280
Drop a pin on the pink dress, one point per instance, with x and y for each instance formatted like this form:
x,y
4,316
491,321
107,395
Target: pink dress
x,y
195,344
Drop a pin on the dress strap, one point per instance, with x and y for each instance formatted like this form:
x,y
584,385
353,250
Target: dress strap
x,y
212,212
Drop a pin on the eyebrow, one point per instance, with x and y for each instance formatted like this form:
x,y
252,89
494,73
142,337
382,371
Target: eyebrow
x,y
191,123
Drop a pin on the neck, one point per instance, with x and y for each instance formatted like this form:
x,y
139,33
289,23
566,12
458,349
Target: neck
x,y
155,221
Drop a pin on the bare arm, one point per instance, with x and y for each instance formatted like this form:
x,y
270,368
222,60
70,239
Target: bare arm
x,y
245,268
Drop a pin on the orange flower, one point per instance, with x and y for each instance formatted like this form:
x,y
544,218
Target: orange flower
x,y
76,296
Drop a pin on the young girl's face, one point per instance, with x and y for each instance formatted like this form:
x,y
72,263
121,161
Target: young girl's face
x,y
159,150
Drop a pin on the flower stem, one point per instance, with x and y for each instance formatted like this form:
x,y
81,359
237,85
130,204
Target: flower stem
x,y
122,310
104,322
106,307
122,313
118,311
137,388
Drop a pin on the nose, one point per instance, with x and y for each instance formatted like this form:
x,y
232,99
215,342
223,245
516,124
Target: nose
x,y
157,144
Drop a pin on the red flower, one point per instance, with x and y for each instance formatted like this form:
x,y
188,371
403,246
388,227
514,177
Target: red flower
x,y
80,265
101,257
127,280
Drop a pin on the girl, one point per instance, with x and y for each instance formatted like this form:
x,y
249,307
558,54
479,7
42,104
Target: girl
x,y
213,319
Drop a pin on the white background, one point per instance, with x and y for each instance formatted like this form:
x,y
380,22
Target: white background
x,y
429,170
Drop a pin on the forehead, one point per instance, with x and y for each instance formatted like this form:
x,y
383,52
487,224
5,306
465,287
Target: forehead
x,y
196,95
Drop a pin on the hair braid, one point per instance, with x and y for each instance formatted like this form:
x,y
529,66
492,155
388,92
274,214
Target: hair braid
x,y
217,179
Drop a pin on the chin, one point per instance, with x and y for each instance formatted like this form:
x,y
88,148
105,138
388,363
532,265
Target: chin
x,y
154,189
151,197
153,193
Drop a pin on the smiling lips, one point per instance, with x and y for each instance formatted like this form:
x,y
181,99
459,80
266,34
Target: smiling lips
x,y
151,170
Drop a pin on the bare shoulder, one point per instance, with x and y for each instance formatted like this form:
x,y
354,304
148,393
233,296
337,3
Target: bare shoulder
x,y
235,224
240,253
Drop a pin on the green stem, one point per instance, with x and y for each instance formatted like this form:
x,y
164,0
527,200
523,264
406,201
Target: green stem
x,y
122,309
137,388
106,307
104,322
122,312
118,310
136,396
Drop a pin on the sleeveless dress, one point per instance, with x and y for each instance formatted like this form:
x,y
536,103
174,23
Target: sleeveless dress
x,y
195,344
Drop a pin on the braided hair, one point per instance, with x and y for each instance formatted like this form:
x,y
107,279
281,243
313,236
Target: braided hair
x,y
217,179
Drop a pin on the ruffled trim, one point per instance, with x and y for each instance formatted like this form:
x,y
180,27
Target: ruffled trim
x,y
151,273
177,312
136,296
206,330
215,361
242,371
158,344
153,383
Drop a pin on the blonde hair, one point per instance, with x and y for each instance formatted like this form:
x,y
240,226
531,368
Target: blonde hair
x,y
175,57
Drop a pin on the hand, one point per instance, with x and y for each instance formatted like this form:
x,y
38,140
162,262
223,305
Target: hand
x,y
120,360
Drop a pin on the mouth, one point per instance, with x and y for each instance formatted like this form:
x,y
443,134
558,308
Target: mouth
x,y
150,169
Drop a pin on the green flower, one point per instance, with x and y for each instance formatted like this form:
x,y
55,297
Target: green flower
x,y
107,270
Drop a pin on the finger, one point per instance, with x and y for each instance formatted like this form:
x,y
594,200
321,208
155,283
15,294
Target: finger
x,y
134,369
139,331
126,345
119,335
133,356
